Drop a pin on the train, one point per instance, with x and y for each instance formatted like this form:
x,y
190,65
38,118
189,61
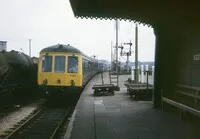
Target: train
x,y
64,69
18,75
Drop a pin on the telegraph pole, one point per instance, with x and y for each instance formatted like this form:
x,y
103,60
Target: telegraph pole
x,y
117,51
136,53
117,46
30,47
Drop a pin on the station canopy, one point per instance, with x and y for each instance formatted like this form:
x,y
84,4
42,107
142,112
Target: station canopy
x,y
149,12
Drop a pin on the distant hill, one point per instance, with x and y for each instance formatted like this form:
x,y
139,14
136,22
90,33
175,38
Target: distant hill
x,y
123,64
149,63
104,61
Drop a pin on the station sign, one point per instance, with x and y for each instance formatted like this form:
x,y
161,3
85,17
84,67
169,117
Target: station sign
x,y
196,57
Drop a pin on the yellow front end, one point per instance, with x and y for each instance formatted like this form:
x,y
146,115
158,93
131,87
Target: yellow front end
x,y
54,69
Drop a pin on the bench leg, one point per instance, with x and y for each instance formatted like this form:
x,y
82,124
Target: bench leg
x,y
112,92
131,94
96,92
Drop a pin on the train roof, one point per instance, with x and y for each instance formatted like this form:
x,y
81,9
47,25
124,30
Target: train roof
x,y
61,48
65,48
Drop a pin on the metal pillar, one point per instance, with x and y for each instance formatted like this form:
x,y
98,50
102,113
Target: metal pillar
x,y
136,54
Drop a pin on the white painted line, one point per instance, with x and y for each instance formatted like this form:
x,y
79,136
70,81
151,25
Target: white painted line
x,y
70,126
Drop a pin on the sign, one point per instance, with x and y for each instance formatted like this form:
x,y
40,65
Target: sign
x,y
196,57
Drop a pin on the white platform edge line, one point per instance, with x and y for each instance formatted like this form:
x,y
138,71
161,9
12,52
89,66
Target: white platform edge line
x,y
71,123
70,126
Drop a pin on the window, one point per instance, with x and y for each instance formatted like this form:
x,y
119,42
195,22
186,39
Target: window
x,y
85,65
72,64
59,64
47,64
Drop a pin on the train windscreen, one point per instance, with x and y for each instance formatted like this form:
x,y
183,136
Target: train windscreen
x,y
47,64
72,64
59,64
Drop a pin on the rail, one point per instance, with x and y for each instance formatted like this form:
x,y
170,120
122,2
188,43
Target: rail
x,y
13,133
61,123
49,120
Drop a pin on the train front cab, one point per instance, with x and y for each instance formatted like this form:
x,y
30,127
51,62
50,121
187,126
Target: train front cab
x,y
60,73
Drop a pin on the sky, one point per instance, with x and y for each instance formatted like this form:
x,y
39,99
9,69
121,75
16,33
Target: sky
x,y
49,22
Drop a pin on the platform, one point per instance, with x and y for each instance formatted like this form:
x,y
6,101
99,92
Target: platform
x,y
120,117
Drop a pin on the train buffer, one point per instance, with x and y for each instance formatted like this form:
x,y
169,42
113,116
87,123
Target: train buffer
x,y
104,89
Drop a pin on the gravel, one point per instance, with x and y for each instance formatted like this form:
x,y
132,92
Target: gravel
x,y
9,120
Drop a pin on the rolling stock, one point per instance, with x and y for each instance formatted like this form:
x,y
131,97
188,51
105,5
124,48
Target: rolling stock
x,y
18,75
64,68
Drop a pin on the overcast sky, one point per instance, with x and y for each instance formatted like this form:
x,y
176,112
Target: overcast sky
x,y
50,22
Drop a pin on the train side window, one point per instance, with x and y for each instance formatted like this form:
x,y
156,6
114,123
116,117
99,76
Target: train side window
x,y
59,64
47,64
84,65
72,64
89,66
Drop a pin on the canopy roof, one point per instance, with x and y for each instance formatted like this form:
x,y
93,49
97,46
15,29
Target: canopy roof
x,y
150,12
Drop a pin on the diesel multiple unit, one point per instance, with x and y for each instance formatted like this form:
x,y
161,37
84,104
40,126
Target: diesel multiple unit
x,y
63,67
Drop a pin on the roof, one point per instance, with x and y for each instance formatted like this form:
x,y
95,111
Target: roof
x,y
149,12
61,48
64,48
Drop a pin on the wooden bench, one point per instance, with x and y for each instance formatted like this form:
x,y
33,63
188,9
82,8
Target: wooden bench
x,y
186,98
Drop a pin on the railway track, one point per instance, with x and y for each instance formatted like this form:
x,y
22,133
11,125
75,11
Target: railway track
x,y
44,124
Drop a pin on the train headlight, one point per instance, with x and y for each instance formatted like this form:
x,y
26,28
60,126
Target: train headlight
x,y
72,83
45,81
58,81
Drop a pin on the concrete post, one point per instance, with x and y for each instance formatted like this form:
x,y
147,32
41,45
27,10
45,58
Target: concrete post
x,y
147,68
132,72
139,75
153,68
142,73
153,74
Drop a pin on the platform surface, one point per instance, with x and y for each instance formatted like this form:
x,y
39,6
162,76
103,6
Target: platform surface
x,y
120,117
